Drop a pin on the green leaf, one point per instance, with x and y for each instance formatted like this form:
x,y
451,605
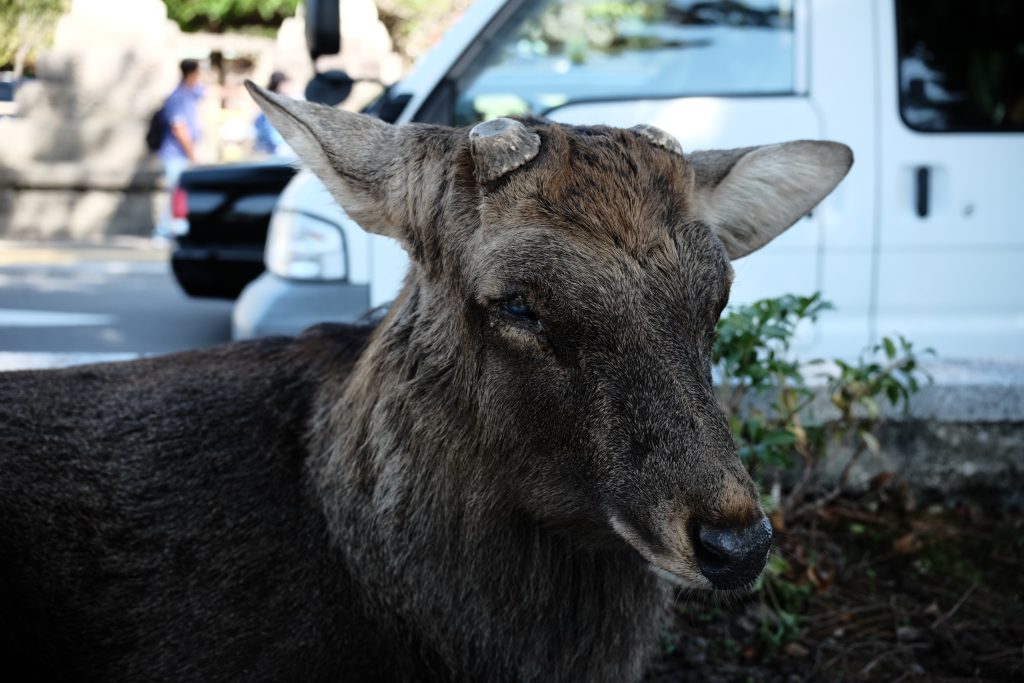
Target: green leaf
x,y
779,438
871,442
890,348
871,405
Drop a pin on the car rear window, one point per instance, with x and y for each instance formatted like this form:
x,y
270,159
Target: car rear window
x,y
961,64
555,52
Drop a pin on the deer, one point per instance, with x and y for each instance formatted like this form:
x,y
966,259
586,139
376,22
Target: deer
x,y
510,476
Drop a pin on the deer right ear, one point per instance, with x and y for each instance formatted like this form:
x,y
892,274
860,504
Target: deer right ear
x,y
750,196
357,157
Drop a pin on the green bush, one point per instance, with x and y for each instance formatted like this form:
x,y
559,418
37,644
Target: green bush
x,y
765,393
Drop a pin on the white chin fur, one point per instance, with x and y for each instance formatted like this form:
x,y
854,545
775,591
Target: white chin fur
x,y
683,578
676,580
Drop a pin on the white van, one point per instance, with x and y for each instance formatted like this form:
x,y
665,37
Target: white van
x,y
922,237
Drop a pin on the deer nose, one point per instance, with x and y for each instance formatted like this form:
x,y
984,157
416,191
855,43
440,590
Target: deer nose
x,y
732,557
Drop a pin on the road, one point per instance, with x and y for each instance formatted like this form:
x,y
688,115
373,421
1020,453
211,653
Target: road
x,y
64,304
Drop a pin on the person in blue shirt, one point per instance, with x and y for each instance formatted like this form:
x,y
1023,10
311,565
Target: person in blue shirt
x,y
181,116
177,151
268,140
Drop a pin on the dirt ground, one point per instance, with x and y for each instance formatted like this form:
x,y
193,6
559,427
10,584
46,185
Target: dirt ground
x,y
868,589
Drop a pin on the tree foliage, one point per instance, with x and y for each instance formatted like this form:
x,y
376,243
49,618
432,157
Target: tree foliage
x,y
415,25
224,15
26,25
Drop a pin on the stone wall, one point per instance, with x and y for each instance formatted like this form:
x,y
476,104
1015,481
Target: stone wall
x,y
962,438
73,163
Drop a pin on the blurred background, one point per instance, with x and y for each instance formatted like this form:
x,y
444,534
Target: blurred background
x,y
104,212
871,361
921,239
81,196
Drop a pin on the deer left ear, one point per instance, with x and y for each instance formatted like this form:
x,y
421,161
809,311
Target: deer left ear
x,y
752,195
357,157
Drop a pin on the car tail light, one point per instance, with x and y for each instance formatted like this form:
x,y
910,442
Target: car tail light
x,y
179,203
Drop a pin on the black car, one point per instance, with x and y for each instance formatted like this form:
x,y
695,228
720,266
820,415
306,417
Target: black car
x,y
8,89
222,215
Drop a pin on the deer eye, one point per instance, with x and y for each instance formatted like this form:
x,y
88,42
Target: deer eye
x,y
518,310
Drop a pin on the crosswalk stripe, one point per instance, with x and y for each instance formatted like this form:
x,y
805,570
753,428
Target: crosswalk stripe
x,y
14,317
37,360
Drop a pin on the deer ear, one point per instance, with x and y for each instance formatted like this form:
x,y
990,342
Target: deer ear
x,y
750,196
357,157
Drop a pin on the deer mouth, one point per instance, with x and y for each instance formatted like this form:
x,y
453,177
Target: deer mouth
x,y
679,568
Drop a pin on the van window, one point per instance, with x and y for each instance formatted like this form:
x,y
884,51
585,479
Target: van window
x,y
554,52
961,64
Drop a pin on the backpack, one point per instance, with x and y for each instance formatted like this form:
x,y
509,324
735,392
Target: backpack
x,y
156,131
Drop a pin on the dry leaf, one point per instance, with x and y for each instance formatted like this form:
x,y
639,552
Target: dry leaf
x,y
907,544
795,649
778,519
908,633
882,480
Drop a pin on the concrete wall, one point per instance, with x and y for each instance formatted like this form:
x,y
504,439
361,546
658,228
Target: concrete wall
x,y
72,202
73,163
962,439
964,434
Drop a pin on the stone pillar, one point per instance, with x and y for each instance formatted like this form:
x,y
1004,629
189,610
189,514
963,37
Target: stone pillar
x,y
111,65
74,163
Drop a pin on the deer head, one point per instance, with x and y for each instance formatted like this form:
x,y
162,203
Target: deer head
x,y
566,281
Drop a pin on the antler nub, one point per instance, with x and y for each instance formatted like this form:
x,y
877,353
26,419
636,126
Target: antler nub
x,y
658,137
500,146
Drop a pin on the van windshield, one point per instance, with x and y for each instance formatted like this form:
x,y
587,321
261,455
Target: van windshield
x,y
961,64
554,52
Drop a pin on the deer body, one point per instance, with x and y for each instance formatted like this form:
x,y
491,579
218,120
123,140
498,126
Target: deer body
x,y
197,548
502,481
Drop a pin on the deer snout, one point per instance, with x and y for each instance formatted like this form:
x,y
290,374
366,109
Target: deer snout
x,y
732,557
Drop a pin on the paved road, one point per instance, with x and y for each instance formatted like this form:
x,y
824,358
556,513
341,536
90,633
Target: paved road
x,y
72,303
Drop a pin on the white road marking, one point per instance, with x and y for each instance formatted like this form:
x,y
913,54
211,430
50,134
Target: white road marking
x,y
37,360
14,317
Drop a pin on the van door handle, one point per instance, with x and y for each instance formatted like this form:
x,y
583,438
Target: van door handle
x,y
923,178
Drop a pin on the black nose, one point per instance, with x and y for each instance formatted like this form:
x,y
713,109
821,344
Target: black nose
x,y
732,557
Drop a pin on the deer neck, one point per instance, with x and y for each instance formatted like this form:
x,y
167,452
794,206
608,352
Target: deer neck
x,y
451,550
